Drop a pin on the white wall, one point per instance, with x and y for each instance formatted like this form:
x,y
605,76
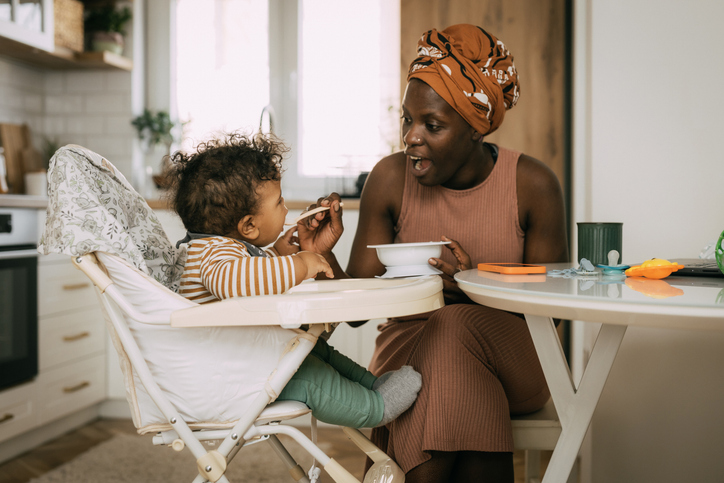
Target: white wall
x,y
648,127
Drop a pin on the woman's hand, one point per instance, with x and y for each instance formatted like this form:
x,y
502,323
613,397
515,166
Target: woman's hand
x,y
451,291
288,243
321,232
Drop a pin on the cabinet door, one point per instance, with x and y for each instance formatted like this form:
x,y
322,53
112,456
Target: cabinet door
x,y
71,387
69,336
62,288
29,22
18,411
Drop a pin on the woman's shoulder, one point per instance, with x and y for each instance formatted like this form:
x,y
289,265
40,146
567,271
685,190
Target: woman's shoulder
x,y
535,177
388,176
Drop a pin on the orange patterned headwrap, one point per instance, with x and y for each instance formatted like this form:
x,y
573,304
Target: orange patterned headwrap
x,y
472,70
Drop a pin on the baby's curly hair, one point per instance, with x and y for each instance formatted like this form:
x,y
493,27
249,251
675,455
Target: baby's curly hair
x,y
215,187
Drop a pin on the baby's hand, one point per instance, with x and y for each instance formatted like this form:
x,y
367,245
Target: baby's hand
x,y
313,263
287,244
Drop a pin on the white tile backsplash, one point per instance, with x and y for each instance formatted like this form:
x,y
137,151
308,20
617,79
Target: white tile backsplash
x,y
118,81
87,107
120,125
80,124
108,103
85,82
54,82
54,126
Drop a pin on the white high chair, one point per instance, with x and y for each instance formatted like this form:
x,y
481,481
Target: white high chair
x,y
199,373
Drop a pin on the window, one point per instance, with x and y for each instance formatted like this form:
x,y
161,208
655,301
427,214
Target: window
x,y
222,66
329,68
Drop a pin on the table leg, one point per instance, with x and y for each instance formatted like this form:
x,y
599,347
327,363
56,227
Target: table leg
x,y
575,406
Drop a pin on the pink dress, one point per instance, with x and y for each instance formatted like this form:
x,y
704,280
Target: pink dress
x,y
478,364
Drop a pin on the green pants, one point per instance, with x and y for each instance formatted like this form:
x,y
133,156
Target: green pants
x,y
336,389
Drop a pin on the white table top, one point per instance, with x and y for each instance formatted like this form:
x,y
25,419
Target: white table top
x,y
674,302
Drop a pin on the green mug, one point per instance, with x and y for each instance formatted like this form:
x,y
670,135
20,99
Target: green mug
x,y
596,240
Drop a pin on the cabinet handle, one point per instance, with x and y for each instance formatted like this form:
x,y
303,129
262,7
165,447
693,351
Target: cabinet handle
x,y
77,387
75,286
73,338
7,417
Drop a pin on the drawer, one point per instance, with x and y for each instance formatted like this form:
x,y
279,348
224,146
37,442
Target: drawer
x,y
62,287
67,337
18,410
70,388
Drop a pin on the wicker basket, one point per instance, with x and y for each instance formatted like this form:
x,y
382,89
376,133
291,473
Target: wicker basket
x,y
69,24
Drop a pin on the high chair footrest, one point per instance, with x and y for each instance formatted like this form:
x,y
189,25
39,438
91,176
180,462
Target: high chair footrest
x,y
281,411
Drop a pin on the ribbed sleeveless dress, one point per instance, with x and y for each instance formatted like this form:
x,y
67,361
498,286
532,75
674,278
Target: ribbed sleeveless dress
x,y
478,364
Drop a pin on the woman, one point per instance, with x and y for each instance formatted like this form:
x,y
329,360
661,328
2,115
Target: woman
x,y
478,364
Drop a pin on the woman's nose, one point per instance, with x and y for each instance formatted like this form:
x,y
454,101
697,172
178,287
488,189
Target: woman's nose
x,y
410,138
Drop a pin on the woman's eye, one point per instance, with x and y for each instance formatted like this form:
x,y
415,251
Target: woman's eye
x,y
406,120
432,127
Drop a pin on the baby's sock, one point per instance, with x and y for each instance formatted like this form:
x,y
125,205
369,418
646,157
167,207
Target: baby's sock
x,y
380,380
398,390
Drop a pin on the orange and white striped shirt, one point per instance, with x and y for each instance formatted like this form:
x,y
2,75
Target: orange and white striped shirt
x,y
219,267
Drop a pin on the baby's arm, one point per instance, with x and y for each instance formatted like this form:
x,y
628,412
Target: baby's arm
x,y
308,265
226,269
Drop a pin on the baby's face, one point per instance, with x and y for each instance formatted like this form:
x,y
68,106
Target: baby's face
x,y
272,212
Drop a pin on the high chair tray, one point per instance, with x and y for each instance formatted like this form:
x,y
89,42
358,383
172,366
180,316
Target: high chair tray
x,y
319,302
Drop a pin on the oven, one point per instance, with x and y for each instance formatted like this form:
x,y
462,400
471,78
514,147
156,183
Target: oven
x,y
18,295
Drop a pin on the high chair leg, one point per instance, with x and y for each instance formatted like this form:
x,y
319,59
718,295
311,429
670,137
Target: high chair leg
x,y
383,469
338,473
295,470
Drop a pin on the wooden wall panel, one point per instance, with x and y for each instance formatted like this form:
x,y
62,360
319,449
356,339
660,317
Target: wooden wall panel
x,y
535,33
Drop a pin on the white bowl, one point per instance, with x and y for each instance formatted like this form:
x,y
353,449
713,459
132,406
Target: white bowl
x,y
409,254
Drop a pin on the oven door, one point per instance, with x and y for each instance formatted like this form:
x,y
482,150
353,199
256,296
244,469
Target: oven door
x,y
18,315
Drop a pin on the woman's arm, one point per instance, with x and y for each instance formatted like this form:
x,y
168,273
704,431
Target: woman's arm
x,y
541,212
380,206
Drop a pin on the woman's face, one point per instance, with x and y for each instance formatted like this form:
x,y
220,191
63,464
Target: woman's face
x,y
438,141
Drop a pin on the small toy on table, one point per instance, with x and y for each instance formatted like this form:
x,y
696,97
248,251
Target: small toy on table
x,y
655,268
613,268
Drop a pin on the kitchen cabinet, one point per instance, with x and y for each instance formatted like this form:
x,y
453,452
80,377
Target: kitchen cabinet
x,y
29,22
71,351
27,34
71,340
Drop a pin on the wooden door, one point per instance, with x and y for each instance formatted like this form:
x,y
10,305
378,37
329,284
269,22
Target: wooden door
x,y
536,33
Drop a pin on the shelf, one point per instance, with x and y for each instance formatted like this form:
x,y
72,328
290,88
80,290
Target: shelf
x,y
63,58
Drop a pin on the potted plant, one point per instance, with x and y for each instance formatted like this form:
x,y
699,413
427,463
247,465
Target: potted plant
x,y
104,27
154,128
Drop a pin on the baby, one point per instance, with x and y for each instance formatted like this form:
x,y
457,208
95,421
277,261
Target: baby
x,y
228,195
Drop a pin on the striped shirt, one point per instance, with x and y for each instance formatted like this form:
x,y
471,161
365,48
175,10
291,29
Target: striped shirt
x,y
219,267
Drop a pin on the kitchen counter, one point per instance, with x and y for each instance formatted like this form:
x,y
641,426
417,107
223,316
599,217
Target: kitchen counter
x,y
349,204
23,201
41,202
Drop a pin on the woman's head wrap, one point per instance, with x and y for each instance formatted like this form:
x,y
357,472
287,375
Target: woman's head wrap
x,y
472,70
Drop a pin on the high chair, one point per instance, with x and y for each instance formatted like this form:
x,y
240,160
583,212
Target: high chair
x,y
200,373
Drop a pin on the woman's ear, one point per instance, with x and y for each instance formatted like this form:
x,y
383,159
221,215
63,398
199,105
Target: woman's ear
x,y
477,137
247,228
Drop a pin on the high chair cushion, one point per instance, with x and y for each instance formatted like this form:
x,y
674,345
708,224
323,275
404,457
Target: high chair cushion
x,y
210,375
92,207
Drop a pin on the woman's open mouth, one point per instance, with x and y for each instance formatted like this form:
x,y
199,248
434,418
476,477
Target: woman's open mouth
x,y
420,166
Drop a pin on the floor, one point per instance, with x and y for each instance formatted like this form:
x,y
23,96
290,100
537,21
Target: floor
x,y
55,453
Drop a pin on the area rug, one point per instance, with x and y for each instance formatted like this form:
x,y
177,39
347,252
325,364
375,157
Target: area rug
x,y
134,459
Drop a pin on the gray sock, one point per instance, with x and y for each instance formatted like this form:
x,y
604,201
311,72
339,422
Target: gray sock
x,y
380,380
398,390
